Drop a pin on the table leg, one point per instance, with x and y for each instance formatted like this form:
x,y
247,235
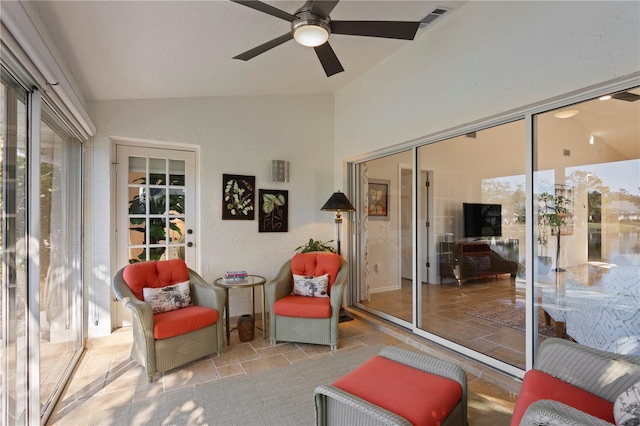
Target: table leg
x,y
264,323
226,314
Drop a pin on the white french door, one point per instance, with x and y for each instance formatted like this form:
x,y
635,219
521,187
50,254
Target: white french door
x,y
156,205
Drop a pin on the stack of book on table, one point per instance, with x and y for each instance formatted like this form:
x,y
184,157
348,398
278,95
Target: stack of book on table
x,y
236,277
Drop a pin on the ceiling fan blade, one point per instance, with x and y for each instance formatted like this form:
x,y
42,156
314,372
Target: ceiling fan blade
x,y
385,29
328,59
252,53
266,8
323,7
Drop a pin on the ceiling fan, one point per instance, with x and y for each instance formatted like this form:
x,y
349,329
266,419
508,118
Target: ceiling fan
x,y
311,27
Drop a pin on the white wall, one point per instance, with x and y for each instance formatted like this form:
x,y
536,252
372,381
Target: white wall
x,y
484,59
239,135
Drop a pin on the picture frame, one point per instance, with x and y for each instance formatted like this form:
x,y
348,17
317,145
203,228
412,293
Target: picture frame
x,y
273,215
378,199
238,197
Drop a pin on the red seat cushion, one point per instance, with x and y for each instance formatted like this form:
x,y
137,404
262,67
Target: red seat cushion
x,y
420,397
181,321
154,274
539,385
303,307
316,264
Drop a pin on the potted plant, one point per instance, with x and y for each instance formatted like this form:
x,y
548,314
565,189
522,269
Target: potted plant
x,y
315,245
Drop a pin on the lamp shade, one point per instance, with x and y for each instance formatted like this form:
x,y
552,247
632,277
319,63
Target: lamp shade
x,y
338,202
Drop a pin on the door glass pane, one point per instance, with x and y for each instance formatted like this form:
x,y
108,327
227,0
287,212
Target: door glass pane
x,y
473,233
587,192
137,169
387,216
60,254
176,172
157,171
13,294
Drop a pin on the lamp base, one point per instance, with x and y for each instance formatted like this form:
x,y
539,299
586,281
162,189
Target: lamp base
x,y
344,316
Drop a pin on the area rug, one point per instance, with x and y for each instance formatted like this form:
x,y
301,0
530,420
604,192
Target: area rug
x,y
513,317
277,397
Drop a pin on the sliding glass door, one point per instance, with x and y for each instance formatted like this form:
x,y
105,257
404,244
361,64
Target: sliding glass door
x,y
41,293
493,240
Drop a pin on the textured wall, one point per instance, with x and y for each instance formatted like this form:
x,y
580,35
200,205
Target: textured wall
x,y
239,135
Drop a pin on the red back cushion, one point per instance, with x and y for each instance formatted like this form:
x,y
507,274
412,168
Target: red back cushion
x,y
316,264
538,385
160,273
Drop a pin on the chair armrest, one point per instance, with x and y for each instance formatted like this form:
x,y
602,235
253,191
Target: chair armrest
x,y
546,412
430,365
351,409
604,374
140,309
205,294
280,286
337,289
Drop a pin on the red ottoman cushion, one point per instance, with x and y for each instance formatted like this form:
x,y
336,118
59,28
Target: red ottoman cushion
x,y
538,385
420,397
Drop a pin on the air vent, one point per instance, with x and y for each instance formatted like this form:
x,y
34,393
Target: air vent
x,y
626,96
435,14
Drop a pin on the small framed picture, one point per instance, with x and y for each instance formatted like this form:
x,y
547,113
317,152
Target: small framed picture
x,y
274,210
238,194
378,199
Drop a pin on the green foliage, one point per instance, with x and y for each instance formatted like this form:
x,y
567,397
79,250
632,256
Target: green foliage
x,y
315,245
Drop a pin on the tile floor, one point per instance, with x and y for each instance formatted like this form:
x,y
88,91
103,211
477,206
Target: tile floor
x,y
445,313
106,378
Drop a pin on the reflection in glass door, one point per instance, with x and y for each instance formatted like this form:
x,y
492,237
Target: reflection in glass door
x,y
387,216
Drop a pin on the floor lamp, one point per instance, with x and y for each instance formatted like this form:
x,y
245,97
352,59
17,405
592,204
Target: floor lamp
x,y
336,203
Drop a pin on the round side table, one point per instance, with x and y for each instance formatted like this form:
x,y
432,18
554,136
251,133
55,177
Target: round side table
x,y
251,281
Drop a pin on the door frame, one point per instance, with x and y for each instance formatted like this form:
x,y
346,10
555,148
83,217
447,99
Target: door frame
x,y
117,312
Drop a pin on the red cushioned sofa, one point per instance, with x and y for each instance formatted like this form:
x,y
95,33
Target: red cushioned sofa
x,y
165,340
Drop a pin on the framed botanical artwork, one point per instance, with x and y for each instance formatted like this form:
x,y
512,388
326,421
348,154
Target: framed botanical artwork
x,y
378,193
274,210
238,194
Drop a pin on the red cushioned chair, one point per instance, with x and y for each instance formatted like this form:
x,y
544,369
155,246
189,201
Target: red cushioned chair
x,y
166,340
572,384
305,319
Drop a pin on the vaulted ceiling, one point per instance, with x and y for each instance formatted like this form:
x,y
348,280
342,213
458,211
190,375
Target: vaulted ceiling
x,y
171,49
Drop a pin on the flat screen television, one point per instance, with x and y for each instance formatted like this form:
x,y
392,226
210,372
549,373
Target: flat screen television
x,y
482,220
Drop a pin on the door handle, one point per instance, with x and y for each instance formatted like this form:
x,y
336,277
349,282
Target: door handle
x,y
189,244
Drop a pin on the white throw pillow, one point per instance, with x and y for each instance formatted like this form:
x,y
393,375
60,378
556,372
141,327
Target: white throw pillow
x,y
169,298
626,407
311,286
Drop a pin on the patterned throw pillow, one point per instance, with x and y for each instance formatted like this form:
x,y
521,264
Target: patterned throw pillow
x,y
169,298
311,286
626,408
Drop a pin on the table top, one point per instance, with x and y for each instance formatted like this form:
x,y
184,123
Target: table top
x,y
249,281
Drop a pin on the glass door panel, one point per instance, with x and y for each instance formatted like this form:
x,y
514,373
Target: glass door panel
x,y
13,294
587,192
60,254
387,218
472,225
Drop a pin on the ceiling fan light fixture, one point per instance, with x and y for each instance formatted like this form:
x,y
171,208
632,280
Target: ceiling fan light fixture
x,y
310,30
311,35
